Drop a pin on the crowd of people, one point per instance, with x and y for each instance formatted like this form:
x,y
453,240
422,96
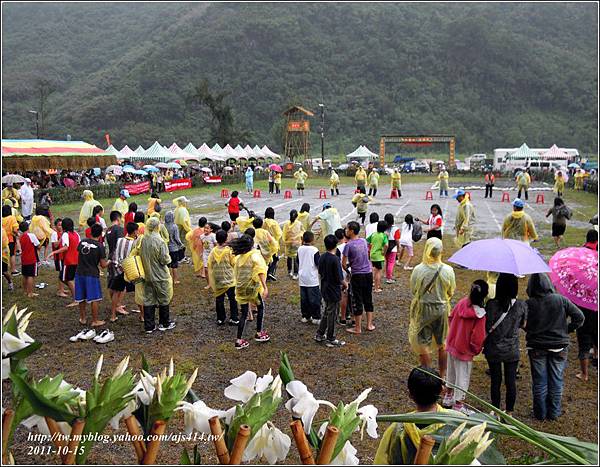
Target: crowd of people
x,y
338,267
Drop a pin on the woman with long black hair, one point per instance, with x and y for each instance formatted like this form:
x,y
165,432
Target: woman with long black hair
x,y
434,223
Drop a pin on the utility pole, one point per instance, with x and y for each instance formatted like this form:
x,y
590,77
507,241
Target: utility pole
x,y
37,123
322,133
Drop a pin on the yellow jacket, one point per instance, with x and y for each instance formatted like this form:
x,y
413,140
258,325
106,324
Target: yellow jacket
x,y
248,267
267,244
292,238
40,227
88,208
220,270
272,226
519,226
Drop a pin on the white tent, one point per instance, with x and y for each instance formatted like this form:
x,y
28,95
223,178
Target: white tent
x,y
180,154
362,153
156,152
204,152
267,152
230,152
139,150
241,153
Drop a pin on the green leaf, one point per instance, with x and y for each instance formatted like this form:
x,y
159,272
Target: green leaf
x,y
25,352
145,365
185,458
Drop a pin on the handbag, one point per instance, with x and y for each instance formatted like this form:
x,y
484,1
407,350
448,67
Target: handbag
x,y
133,270
500,319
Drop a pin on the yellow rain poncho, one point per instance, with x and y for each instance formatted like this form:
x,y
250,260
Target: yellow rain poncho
x,y
5,248
244,223
272,226
88,208
162,230
246,271
396,180
292,238
300,176
432,285
463,224
362,201
267,244
40,227
559,184
304,218
152,202
17,215
374,179
220,270
158,285
121,205
360,177
195,243
523,180
11,193
519,226
277,179
443,179
182,216
334,180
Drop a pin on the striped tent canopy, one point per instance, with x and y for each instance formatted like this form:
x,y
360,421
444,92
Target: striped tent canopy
x,y
156,152
112,150
178,153
523,153
126,153
230,152
191,149
241,153
139,150
207,153
260,153
218,150
554,153
41,154
268,152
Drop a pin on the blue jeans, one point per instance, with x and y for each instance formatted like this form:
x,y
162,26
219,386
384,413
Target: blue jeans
x,y
444,193
547,369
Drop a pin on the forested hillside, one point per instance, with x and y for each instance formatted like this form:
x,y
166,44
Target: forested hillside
x,y
493,74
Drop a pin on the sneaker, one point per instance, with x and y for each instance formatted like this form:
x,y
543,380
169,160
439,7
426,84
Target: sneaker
x,y
390,281
241,344
409,268
341,321
304,320
234,322
291,274
272,277
459,407
105,337
295,277
151,330
335,343
220,322
319,338
11,286
169,326
262,336
103,334
84,335
16,273
315,321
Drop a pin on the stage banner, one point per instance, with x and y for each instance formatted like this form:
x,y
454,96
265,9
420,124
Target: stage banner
x,y
137,188
181,184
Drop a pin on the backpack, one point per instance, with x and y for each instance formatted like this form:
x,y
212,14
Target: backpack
x,y
157,207
417,232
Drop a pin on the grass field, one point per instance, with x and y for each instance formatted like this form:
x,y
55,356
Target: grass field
x,y
381,359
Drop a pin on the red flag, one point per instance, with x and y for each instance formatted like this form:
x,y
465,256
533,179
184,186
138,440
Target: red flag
x,y
107,136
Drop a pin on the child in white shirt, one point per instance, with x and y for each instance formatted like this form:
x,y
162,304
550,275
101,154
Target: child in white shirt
x,y
406,241
308,279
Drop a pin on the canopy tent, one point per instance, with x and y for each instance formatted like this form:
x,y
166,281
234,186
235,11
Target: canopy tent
x,y
218,150
178,153
156,152
259,153
267,152
230,152
139,150
554,153
204,152
112,150
362,153
126,153
40,154
241,153
523,153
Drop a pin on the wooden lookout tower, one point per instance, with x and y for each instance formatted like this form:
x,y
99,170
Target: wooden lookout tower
x,y
297,133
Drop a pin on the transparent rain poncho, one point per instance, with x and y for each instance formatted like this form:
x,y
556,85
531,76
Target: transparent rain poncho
x,y
304,219
272,226
195,243
267,244
182,217
247,269
519,226
396,180
430,305
88,207
334,180
292,238
220,270
465,218
40,227
244,223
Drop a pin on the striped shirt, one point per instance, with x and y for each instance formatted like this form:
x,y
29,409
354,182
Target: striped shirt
x,y
122,250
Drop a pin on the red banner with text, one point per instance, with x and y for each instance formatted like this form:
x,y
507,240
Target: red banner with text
x,y
137,188
181,184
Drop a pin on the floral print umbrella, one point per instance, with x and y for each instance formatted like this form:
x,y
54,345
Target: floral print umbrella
x,y
575,275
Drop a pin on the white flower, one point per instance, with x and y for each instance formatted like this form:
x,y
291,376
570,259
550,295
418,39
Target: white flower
x,y
475,462
99,366
121,367
12,344
347,456
361,397
368,414
229,414
302,404
125,413
144,389
246,385
196,416
5,367
269,442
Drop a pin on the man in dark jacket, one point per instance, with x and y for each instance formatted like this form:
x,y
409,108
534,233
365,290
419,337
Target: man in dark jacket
x,y
547,336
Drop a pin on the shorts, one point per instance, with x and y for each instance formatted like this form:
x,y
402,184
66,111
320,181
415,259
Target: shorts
x,y
377,264
175,256
434,233
119,284
11,248
4,267
57,264
433,330
29,270
299,186
87,289
558,230
409,250
362,293
587,334
68,273
233,216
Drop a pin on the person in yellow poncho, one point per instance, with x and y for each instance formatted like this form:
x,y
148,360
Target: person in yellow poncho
x,y
121,203
579,177
304,216
182,217
360,178
194,241
162,229
373,182
272,226
41,228
87,209
221,279
432,285
277,180
334,183
158,284
245,222
443,178
465,218
264,240
523,180
250,273
15,212
292,239
400,442
518,225
11,228
6,259
300,175
11,193
397,181
559,184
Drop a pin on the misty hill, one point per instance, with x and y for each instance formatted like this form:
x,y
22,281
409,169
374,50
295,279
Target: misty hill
x,y
493,74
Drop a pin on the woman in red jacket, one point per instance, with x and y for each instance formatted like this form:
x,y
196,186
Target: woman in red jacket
x,y
466,333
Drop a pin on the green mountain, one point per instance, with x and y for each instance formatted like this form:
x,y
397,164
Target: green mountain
x,y
495,74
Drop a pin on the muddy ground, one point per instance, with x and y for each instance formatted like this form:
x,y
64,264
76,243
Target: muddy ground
x,y
381,359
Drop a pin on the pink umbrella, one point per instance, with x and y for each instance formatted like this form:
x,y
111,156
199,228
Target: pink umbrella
x,y
575,275
69,183
275,168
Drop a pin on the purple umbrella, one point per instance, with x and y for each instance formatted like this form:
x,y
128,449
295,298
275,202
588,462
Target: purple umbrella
x,y
499,255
